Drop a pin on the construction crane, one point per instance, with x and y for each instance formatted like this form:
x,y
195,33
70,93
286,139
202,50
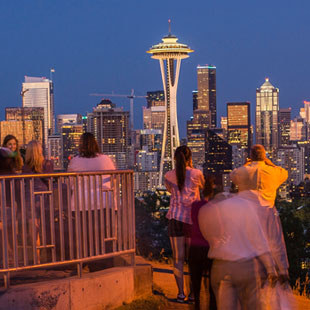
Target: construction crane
x,y
131,97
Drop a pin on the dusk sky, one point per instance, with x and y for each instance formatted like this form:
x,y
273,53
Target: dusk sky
x,y
100,46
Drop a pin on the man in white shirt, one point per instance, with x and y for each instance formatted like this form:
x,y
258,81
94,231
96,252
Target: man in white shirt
x,y
239,243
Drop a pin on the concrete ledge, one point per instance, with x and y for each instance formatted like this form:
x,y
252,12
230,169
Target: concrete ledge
x,y
105,289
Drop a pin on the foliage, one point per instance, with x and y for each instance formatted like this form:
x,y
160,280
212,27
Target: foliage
x,y
151,225
150,303
295,218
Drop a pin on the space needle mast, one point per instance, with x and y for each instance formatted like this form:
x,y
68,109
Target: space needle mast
x,y
169,53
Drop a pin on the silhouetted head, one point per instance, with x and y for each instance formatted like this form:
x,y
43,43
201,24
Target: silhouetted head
x,y
88,145
257,153
7,161
183,159
213,185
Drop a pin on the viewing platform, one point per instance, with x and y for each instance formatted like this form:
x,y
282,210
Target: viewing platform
x,y
61,225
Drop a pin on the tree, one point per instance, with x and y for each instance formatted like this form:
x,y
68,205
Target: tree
x,y
151,225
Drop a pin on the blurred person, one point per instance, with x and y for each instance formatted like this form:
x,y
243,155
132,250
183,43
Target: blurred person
x,y
198,261
238,240
184,183
11,143
262,176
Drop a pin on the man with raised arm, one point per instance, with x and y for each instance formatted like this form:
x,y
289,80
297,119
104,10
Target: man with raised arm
x,y
259,175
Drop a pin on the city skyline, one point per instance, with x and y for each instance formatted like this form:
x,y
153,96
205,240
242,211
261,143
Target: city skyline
x,y
258,43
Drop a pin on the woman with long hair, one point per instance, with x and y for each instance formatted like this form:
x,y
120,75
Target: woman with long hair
x,y
36,164
90,158
184,183
11,143
34,160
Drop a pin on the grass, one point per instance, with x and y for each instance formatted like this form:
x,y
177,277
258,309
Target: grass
x,y
149,303
157,301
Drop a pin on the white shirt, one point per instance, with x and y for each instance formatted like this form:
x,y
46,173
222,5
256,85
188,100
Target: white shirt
x,y
234,230
99,163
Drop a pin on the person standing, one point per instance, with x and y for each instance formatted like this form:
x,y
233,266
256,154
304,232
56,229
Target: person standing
x,y
198,261
90,159
260,174
263,178
36,164
237,241
184,183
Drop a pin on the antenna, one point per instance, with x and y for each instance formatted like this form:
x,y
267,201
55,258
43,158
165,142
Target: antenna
x,y
169,23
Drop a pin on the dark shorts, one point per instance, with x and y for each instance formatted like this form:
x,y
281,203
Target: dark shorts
x,y
179,229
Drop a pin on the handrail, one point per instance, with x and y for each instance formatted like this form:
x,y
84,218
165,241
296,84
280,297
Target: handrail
x,y
59,174
52,219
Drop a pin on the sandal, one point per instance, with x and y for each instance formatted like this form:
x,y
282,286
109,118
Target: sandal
x,y
181,298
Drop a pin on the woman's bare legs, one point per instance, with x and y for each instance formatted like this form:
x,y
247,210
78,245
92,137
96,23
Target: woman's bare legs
x,y
178,251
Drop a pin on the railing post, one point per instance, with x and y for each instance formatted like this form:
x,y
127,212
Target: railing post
x,y
98,215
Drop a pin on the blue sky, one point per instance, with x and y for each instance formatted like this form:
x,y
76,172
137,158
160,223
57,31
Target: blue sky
x,y
99,46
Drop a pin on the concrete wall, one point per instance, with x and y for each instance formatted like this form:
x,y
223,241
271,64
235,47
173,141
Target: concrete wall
x,y
105,289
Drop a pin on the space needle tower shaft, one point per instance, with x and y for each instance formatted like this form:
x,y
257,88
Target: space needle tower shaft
x,y
169,53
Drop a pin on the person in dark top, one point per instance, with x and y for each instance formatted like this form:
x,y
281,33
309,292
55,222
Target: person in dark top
x,y
199,263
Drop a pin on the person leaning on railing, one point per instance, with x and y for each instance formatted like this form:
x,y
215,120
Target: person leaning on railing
x,y
36,164
90,159
7,167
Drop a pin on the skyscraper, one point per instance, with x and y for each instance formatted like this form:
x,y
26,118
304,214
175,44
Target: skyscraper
x,y
284,126
39,92
218,156
305,114
33,116
70,135
67,119
155,98
195,99
169,53
267,108
110,126
206,80
196,131
238,124
55,151
24,131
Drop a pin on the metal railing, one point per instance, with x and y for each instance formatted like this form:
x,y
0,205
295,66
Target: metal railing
x,y
55,219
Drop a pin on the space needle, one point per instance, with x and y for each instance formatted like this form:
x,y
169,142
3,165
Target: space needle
x,y
169,53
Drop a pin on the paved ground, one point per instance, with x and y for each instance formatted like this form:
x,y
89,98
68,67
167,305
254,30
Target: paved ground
x,y
164,282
